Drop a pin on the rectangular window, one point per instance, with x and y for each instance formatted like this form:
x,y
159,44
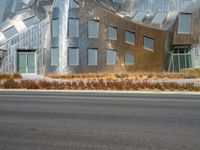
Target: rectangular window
x,y
130,37
92,56
54,57
184,23
55,28
149,43
112,33
159,18
73,4
93,28
10,32
73,56
129,59
118,1
111,57
30,21
73,28
139,17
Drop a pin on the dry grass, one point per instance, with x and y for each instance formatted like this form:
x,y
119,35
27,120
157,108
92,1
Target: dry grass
x,y
10,76
99,85
185,74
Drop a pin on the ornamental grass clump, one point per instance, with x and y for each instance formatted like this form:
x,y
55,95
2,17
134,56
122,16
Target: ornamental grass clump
x,y
11,84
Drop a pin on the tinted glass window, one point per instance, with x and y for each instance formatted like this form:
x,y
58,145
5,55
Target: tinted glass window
x,y
92,56
54,57
184,23
112,33
130,37
111,57
10,32
73,28
74,4
139,16
129,59
93,29
55,28
73,56
149,43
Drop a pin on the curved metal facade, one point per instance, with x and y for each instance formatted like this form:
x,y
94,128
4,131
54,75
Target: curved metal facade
x,y
43,26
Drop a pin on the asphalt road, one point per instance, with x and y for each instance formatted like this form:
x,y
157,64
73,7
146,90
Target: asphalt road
x,y
48,121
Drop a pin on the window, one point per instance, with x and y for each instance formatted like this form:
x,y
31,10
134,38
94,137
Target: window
x,y
73,4
159,18
10,32
149,43
92,56
30,21
112,33
130,37
73,56
93,29
184,23
54,57
111,57
55,28
55,13
73,28
118,1
129,59
139,17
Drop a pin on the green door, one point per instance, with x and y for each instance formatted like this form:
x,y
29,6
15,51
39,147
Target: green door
x,y
26,62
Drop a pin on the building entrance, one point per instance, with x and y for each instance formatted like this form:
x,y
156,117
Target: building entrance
x,y
26,62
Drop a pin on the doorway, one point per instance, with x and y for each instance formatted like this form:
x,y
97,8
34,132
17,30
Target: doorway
x,y
26,61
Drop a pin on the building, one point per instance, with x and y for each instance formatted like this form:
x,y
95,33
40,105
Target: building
x,y
83,36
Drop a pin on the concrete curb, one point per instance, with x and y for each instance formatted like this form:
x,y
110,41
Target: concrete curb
x,y
103,92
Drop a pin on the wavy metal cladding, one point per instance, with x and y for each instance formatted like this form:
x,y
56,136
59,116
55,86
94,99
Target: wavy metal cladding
x,y
25,27
38,36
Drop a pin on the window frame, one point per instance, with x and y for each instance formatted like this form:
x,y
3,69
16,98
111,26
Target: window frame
x,y
78,57
132,32
179,24
149,37
78,29
130,53
115,60
111,38
93,37
92,49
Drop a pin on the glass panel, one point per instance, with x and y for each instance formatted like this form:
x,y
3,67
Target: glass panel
x,y
73,28
139,16
22,62
93,29
112,33
188,61
31,62
10,32
148,43
118,1
176,63
54,56
55,28
73,4
129,59
182,61
55,13
30,21
130,37
92,56
184,23
111,57
159,18
73,56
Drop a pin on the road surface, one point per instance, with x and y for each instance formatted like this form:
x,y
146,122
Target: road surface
x,y
58,121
